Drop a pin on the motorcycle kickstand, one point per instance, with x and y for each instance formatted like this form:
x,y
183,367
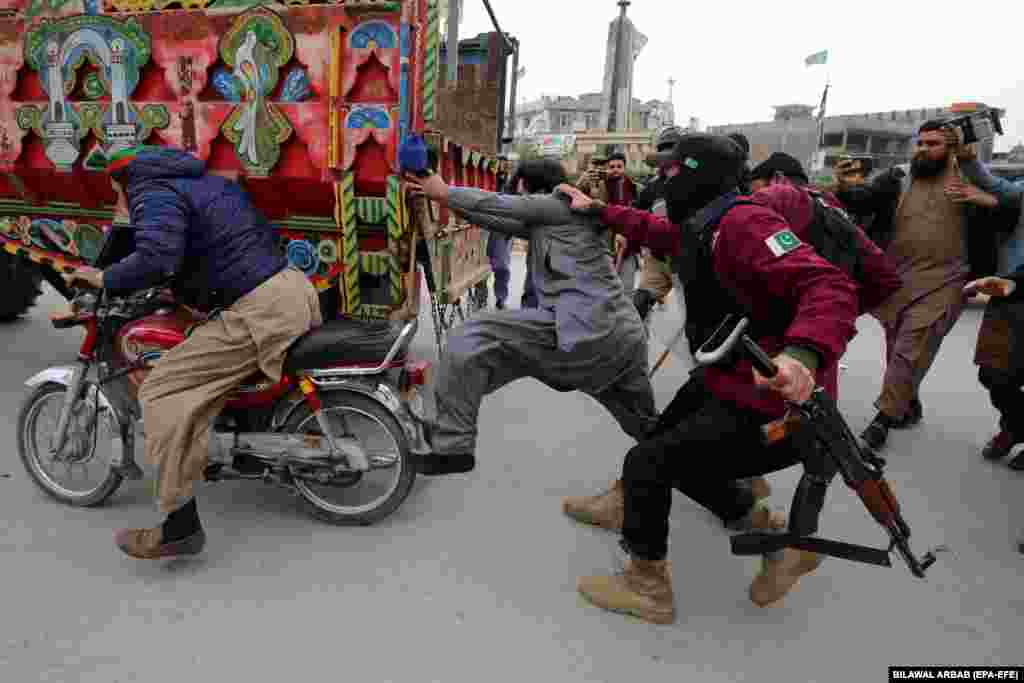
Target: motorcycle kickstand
x,y
124,463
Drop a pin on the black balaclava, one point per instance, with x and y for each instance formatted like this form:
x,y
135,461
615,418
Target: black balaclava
x,y
710,166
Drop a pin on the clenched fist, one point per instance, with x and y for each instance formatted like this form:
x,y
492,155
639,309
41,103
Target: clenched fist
x,y
794,382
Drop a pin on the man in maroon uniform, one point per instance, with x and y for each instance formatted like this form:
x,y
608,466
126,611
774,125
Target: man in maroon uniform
x,y
802,311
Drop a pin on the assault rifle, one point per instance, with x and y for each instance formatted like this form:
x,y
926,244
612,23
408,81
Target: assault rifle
x,y
830,447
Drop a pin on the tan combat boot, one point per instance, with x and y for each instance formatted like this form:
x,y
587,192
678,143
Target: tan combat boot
x,y
643,590
779,573
605,510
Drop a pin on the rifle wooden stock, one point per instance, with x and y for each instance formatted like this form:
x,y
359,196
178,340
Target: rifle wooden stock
x,y
777,430
878,498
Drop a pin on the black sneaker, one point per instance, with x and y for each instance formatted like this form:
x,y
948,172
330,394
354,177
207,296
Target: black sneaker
x,y
999,446
877,433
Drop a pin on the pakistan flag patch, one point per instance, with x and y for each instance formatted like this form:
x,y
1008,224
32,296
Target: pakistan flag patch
x,y
783,242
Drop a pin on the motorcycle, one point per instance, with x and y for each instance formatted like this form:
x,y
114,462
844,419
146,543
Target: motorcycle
x,y
341,428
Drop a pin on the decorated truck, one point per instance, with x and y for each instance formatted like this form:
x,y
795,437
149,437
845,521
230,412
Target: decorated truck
x,y
305,104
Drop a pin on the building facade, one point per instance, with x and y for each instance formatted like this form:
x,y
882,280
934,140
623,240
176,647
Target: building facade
x,y
569,115
887,137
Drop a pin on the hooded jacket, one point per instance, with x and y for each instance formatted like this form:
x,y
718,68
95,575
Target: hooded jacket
x,y
197,228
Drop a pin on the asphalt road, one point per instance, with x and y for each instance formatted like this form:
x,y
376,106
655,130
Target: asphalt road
x,y
473,579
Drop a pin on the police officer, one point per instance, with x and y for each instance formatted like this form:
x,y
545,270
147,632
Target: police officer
x,y
802,310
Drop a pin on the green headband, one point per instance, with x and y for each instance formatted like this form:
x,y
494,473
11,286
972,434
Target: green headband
x,y
123,157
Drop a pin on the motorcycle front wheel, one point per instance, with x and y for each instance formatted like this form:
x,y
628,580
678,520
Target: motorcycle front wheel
x,y
356,498
78,474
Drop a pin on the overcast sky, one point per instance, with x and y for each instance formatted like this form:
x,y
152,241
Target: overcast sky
x,y
733,60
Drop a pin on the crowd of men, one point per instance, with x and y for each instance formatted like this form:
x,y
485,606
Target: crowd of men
x,y
727,237
937,232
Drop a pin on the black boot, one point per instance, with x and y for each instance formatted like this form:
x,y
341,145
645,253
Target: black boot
x,y
644,302
877,433
999,446
912,418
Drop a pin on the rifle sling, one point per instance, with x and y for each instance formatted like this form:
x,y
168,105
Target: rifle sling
x,y
759,543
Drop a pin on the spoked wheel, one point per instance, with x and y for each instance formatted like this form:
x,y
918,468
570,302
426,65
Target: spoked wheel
x,y
80,474
356,497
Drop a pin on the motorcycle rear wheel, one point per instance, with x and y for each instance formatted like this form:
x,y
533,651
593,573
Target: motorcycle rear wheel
x,y
79,450
395,447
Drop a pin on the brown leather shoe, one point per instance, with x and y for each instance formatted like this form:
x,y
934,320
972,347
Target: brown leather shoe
x,y
643,590
606,510
144,544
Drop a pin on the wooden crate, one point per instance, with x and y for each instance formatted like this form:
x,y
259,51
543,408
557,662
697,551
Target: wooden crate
x,y
459,260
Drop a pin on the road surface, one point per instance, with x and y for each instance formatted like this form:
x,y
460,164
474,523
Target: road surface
x,y
473,579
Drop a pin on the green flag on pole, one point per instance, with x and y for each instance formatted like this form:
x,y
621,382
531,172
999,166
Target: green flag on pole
x,y
817,58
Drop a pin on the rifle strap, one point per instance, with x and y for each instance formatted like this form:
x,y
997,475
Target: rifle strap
x,y
760,543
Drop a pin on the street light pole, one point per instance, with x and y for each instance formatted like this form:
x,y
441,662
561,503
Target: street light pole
x,y
515,81
454,7
613,103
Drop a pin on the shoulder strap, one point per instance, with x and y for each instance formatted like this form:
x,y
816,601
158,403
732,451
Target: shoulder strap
x,y
712,214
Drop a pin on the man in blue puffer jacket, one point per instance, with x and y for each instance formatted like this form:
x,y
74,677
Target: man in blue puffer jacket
x,y
203,233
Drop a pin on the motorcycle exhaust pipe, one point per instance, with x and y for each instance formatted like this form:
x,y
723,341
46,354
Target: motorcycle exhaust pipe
x,y
300,449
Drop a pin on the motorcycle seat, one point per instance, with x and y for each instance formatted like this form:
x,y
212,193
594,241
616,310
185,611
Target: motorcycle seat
x,y
342,341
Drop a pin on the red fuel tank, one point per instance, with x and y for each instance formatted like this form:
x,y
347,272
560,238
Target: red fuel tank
x,y
146,339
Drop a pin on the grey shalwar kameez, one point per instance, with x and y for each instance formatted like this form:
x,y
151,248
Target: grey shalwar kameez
x,y
585,335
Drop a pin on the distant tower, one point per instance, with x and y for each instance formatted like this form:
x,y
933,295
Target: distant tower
x,y
671,101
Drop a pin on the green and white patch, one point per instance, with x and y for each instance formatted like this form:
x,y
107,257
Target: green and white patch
x,y
783,242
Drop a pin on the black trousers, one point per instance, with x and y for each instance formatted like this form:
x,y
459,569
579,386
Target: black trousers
x,y
701,446
1005,390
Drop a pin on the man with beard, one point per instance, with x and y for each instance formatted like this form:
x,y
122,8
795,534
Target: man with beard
x,y
616,188
925,232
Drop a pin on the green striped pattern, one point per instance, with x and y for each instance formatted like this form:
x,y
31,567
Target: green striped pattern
x,y
349,243
372,210
375,312
430,65
396,224
376,262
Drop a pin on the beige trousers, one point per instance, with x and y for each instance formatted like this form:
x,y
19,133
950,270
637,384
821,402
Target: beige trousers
x,y
190,384
656,276
913,336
